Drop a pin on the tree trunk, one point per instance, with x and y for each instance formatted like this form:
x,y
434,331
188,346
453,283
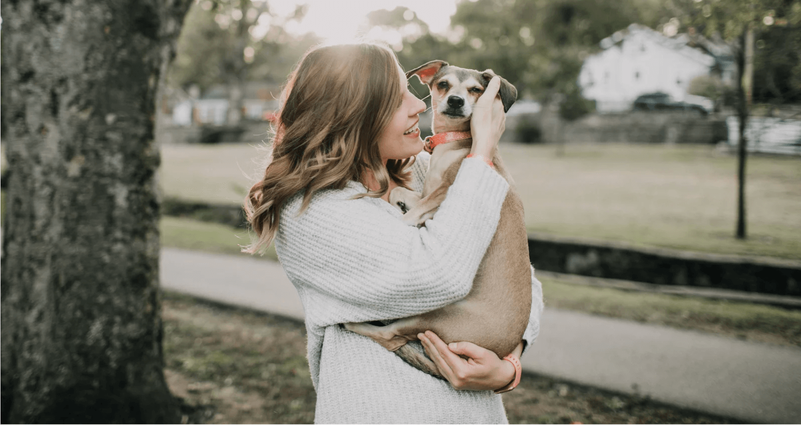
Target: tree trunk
x,y
236,68
745,68
81,326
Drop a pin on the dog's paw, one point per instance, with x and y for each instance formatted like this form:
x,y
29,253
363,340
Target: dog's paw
x,y
402,206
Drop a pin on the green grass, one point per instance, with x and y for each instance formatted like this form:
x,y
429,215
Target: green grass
x,y
679,196
738,319
210,237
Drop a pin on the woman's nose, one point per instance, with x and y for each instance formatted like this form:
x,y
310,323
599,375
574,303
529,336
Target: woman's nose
x,y
420,107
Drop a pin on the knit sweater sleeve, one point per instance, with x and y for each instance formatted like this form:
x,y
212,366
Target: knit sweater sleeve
x,y
537,306
352,260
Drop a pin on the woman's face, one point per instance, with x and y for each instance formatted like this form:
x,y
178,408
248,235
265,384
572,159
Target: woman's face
x,y
401,137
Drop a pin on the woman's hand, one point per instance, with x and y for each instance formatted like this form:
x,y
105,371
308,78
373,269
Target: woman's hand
x,y
482,370
488,121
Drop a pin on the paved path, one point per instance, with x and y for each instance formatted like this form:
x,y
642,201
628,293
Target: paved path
x,y
749,381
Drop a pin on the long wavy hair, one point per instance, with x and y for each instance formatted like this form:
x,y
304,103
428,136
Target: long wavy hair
x,y
333,109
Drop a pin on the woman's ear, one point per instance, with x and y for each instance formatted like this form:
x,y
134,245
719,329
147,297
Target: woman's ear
x,y
426,71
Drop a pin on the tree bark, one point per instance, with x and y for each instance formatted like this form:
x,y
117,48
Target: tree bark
x,y
81,326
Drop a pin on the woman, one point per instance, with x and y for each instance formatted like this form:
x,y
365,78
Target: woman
x,y
345,137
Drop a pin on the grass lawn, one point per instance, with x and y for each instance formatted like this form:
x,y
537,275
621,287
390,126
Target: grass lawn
x,y
210,237
737,319
676,196
236,366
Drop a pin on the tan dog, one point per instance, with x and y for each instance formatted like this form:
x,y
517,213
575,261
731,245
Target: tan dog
x,y
495,313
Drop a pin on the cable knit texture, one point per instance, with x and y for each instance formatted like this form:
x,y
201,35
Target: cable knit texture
x,y
353,260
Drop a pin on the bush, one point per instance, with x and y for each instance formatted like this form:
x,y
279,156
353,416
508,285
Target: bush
x,y
575,106
221,134
528,131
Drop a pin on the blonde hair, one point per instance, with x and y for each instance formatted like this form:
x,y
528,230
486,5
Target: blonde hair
x,y
334,107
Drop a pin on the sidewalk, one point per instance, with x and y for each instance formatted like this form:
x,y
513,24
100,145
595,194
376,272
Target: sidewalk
x,y
748,381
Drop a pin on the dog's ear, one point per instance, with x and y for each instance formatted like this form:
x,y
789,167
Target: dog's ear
x,y
507,91
426,71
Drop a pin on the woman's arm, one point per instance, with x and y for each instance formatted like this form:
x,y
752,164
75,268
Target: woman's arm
x,y
537,306
360,262
483,369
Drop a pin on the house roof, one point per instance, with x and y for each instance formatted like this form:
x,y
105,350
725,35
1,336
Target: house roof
x,y
696,47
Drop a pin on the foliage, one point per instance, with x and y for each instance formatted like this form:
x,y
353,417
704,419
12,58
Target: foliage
x,y
709,86
574,105
538,45
777,27
236,37
777,65
528,131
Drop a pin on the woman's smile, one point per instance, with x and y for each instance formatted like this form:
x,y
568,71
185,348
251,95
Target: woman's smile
x,y
413,131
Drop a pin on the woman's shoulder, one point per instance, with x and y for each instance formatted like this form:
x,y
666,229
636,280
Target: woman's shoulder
x,y
324,203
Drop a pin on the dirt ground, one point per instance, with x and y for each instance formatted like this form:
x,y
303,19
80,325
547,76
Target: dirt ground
x,y
238,366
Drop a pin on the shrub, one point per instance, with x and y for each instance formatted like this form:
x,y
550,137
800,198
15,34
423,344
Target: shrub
x,y
575,106
528,131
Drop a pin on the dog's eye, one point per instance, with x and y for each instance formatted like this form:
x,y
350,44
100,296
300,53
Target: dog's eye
x,y
442,85
476,90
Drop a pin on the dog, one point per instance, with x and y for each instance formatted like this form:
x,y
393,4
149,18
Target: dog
x,y
495,313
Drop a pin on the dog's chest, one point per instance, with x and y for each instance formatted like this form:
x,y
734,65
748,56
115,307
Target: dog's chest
x,y
441,159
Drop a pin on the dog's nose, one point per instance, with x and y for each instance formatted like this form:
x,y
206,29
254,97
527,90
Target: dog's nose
x,y
455,102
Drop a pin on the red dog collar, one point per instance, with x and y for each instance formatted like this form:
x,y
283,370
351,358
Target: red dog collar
x,y
447,137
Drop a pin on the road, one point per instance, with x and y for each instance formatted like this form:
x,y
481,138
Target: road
x,y
749,381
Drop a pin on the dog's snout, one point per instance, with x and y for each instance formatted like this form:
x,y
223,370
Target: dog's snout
x,y
455,102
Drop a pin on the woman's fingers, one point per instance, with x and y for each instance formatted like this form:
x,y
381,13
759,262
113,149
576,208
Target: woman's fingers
x,y
490,93
468,349
488,121
458,368
436,356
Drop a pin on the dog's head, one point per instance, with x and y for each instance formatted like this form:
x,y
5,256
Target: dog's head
x,y
455,90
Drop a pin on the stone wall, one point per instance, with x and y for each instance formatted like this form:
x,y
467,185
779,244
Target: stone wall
x,y
629,127
603,259
664,266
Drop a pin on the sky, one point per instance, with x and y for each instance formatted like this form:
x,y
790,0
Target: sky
x,y
339,21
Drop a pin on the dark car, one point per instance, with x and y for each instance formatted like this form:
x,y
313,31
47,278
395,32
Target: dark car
x,y
663,102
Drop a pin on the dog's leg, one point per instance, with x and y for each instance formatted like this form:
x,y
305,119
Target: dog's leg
x,y
404,199
426,208
384,335
391,338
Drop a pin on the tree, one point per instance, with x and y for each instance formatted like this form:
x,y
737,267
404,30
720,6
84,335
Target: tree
x,y
231,42
737,22
539,46
81,327
572,107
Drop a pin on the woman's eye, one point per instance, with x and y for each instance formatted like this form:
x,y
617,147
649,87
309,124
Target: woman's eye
x,y
443,85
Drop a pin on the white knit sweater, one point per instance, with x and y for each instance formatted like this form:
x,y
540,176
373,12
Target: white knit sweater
x,y
354,261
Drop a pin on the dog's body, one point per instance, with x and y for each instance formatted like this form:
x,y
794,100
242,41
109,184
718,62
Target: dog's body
x,y
495,313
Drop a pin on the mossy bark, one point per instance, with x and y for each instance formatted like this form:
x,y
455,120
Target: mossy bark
x,y
81,326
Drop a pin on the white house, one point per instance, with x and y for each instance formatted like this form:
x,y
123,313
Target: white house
x,y
212,108
639,60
